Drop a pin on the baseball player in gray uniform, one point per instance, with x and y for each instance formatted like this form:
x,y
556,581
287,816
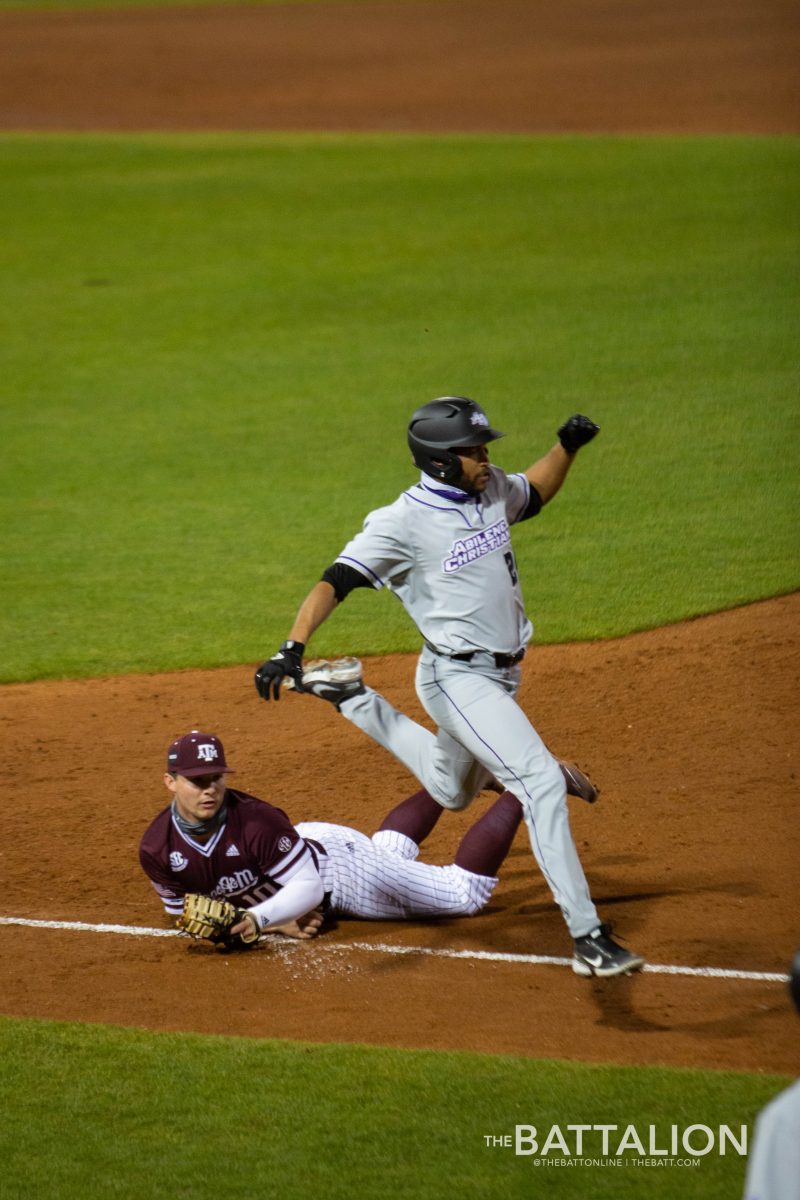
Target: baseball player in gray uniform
x,y
773,1167
444,549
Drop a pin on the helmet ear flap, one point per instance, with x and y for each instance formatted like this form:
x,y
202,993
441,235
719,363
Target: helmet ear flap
x,y
444,465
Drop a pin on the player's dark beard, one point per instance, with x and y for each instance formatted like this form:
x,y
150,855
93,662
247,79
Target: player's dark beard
x,y
198,827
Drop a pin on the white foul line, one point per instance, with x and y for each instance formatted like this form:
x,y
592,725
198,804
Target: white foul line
x,y
384,948
547,960
84,927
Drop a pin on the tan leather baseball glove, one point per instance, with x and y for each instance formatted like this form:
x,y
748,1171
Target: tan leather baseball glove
x,y
205,917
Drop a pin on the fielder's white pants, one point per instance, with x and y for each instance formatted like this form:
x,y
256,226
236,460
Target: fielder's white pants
x,y
379,878
482,732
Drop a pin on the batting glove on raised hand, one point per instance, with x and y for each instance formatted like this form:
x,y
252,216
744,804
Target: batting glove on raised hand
x,y
576,432
271,674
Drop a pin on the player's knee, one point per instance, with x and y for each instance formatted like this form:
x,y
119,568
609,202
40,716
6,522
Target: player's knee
x,y
554,779
466,906
474,891
543,786
454,801
460,802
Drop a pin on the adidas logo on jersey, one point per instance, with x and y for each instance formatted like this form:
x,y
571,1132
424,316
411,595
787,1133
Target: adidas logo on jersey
x,y
232,851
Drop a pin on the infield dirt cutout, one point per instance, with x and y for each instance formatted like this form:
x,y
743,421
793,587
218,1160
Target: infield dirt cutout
x,y
690,731
692,848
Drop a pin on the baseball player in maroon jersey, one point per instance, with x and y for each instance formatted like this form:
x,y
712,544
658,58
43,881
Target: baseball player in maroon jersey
x,y
221,842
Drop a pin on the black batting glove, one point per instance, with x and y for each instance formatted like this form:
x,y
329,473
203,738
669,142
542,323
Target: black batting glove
x,y
576,432
271,674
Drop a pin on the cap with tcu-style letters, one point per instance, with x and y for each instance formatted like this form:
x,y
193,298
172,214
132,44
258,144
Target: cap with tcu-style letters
x,y
197,754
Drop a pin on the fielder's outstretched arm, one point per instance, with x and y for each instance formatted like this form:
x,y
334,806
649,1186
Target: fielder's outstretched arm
x,y
299,896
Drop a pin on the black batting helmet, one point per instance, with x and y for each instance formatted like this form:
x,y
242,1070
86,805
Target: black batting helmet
x,y
442,425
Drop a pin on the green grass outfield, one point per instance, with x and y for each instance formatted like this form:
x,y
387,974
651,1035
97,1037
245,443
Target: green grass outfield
x,y
213,343
101,1111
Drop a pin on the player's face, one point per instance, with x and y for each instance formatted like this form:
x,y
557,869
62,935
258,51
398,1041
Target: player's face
x,y
199,798
474,468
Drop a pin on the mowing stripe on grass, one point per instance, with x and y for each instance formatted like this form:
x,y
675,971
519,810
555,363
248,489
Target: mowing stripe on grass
x,y
383,948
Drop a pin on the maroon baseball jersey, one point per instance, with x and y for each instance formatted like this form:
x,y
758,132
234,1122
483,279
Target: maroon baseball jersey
x,y
248,859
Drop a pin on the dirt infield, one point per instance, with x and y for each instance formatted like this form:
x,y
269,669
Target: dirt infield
x,y
693,847
690,66
691,731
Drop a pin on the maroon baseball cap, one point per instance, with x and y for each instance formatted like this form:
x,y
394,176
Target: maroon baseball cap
x,y
197,754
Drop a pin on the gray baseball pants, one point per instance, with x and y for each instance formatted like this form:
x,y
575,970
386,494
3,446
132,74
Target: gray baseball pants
x,y
483,733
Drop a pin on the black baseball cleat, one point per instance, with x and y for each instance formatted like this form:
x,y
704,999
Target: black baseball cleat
x,y
577,782
335,681
598,954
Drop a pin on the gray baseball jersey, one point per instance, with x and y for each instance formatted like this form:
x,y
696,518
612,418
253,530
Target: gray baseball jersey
x,y
447,556
443,553
773,1167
